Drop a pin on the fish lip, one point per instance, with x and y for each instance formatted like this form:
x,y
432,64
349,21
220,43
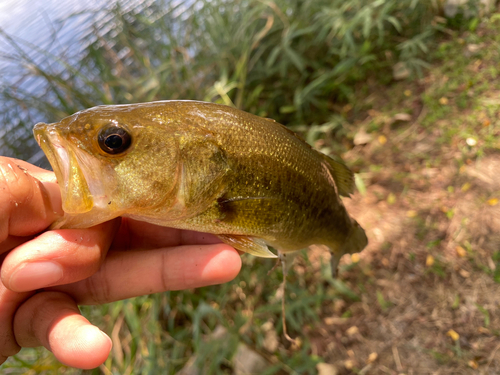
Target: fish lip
x,y
52,145
75,194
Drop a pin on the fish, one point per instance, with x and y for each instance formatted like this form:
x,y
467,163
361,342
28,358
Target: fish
x,y
200,166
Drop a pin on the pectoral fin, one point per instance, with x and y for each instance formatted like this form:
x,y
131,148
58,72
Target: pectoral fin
x,y
251,245
202,169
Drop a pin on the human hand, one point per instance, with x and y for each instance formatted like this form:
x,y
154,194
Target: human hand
x,y
74,266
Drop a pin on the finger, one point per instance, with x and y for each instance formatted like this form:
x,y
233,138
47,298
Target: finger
x,y
9,302
53,320
57,257
135,273
29,201
135,234
11,242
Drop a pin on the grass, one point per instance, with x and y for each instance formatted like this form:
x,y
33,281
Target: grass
x,y
265,57
430,207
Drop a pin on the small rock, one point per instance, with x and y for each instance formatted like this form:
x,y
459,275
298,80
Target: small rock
x,y
453,7
349,364
471,141
334,320
400,71
362,137
473,49
464,273
190,367
352,331
248,362
401,117
219,333
271,341
372,357
326,369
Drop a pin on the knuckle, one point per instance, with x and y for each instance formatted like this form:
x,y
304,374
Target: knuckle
x,y
15,181
98,288
8,344
16,190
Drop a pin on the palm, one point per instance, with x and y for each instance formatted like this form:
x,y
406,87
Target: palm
x,y
134,234
118,259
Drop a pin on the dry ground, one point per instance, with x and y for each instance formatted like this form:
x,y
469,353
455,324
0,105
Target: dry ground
x,y
429,306
429,280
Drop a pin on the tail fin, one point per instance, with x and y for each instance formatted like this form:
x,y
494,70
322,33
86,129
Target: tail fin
x,y
355,242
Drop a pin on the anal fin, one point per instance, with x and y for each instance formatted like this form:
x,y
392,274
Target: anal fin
x,y
251,245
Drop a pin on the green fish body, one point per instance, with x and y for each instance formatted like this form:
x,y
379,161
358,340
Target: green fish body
x,y
204,167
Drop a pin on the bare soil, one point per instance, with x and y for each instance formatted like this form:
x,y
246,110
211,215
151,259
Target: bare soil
x,y
430,304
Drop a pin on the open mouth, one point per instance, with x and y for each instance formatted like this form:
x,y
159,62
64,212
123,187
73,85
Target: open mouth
x,y
51,143
75,193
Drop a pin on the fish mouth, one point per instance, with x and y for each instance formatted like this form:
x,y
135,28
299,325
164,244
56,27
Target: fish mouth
x,y
75,193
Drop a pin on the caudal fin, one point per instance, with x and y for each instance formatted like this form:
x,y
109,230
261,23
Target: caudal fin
x,y
355,242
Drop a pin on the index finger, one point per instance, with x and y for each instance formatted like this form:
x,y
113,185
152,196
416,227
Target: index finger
x,y
30,200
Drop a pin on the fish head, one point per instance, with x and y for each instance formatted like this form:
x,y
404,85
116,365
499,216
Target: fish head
x,y
109,160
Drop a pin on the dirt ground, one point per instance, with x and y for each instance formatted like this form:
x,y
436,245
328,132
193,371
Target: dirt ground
x,y
430,303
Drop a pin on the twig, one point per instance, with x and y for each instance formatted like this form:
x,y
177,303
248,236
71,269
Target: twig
x,y
275,266
282,259
492,356
395,354
408,130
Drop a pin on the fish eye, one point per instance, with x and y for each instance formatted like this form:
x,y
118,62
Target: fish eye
x,y
114,139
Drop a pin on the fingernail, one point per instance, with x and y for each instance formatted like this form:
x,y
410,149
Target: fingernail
x,y
107,338
35,275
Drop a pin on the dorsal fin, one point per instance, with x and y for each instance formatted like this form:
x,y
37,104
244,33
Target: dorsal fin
x,y
343,176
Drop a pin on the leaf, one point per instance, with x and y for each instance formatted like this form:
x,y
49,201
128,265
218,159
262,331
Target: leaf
x,y
394,23
295,58
453,334
343,289
492,201
461,252
402,116
429,261
287,109
486,314
384,305
273,56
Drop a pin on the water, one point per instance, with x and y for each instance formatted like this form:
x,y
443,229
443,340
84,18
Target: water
x,y
56,28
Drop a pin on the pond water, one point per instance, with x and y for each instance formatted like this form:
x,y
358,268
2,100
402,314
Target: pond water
x,y
30,27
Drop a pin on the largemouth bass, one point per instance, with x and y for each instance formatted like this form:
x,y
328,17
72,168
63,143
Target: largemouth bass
x,y
204,167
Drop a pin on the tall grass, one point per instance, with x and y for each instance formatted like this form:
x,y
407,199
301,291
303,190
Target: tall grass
x,y
292,60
